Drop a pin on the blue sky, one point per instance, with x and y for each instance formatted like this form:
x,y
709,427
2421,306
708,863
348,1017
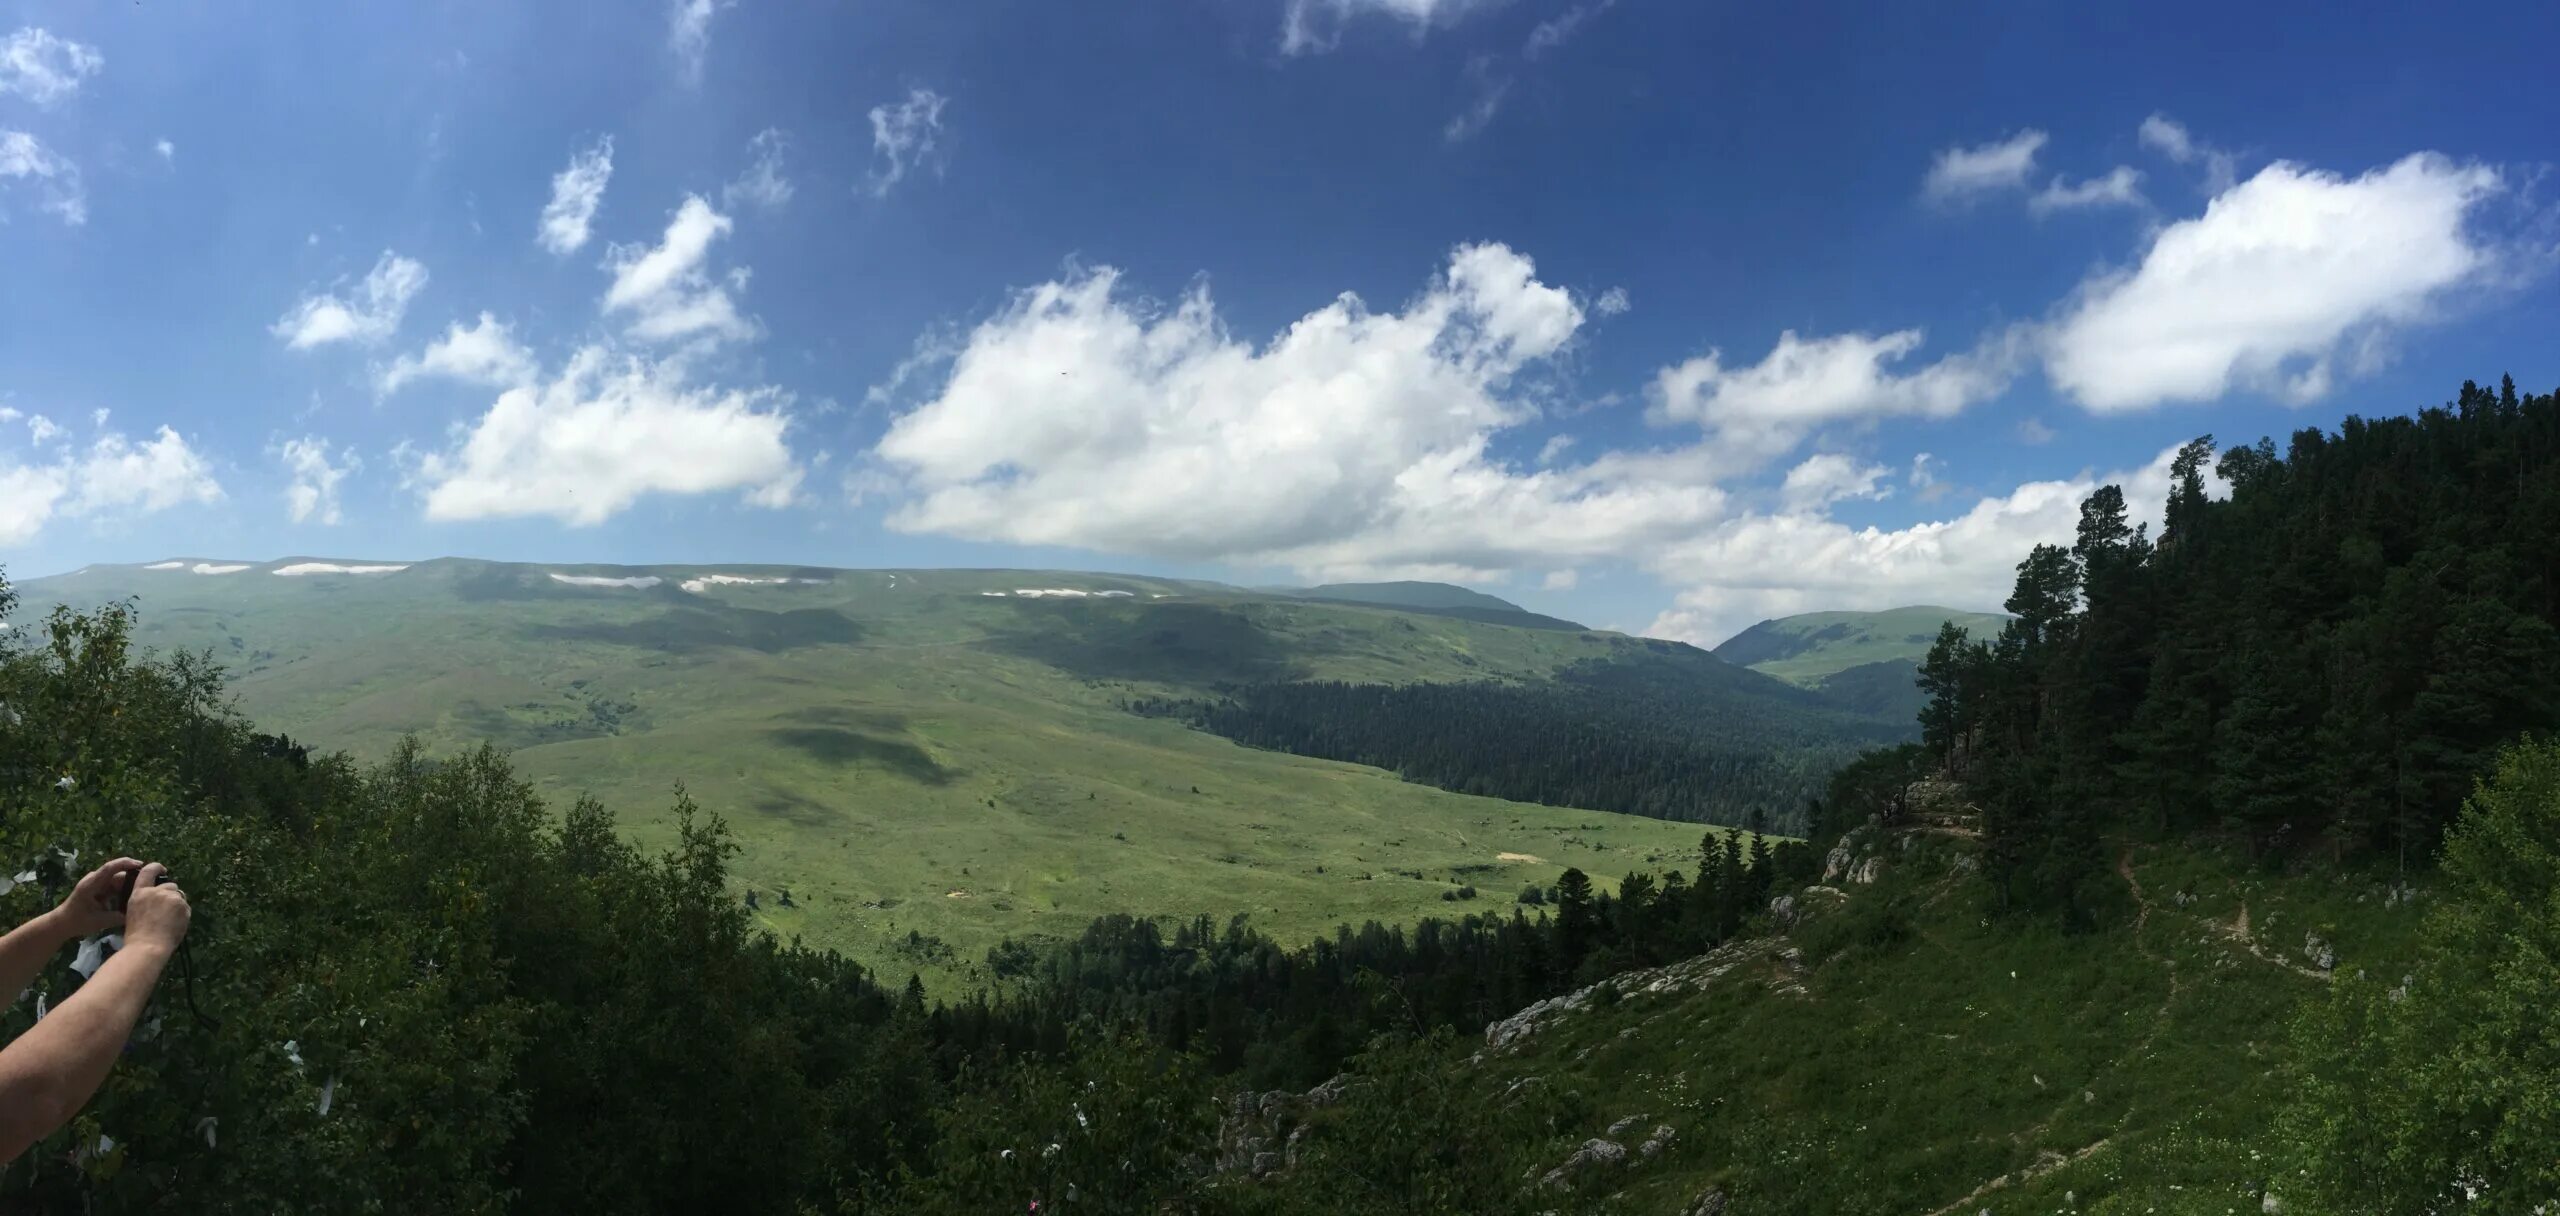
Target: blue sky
x,y
1664,316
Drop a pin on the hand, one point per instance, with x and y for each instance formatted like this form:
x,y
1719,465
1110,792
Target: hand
x,y
157,914
91,906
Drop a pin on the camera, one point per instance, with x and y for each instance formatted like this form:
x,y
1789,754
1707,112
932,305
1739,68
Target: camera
x,y
125,894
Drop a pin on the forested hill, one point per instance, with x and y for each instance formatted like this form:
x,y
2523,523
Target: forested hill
x,y
2330,656
1668,731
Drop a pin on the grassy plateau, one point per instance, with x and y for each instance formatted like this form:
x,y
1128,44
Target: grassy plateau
x,y
928,753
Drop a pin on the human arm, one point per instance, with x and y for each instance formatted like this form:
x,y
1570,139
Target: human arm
x,y
89,909
53,1069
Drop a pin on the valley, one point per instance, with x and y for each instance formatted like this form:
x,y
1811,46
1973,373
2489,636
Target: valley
x,y
923,762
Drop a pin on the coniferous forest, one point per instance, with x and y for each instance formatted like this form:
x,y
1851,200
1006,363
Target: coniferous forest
x,y
1684,736
2326,659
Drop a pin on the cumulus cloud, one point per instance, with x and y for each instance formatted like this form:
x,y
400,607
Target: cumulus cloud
x,y
2034,432
113,477
313,491
368,314
168,151
45,69
762,184
25,160
2283,279
1961,174
689,36
568,219
1829,477
904,136
1611,302
666,289
481,353
584,446
1762,411
1354,442
1754,567
2121,187
1316,25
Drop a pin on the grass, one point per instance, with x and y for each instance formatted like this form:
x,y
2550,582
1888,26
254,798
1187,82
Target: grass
x,y
900,752
1807,649
1928,1048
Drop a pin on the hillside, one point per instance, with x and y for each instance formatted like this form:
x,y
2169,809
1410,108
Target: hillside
x,y
1894,1047
1808,648
1438,599
939,752
1862,661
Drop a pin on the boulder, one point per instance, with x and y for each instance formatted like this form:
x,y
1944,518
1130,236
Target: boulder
x,y
1265,1164
1710,1202
1783,909
1662,1136
1623,1124
1867,871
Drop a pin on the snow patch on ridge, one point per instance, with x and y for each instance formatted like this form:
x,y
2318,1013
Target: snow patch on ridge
x,y
594,580
335,568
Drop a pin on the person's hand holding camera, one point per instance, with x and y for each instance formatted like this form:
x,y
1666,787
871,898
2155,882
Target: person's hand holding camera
x,y
156,914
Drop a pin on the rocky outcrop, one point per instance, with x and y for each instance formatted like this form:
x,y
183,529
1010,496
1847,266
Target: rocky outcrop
x,y
1709,1202
1689,975
1262,1132
1595,1156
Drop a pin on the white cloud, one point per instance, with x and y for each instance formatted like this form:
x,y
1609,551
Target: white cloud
x,y
2121,187
483,353
762,183
1960,174
1552,32
584,446
1755,567
44,69
2035,432
1553,448
24,158
1316,25
1354,442
1560,580
1923,475
1829,477
1762,411
113,477
689,36
665,287
313,492
905,135
576,192
2280,279
2165,135
168,151
1611,302
1490,88
370,314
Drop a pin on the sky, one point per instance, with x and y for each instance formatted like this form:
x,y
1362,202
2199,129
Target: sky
x,y
1663,316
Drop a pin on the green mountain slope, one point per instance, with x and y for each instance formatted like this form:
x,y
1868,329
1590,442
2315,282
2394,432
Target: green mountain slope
x,y
1809,647
938,752
1438,599
1898,1049
1410,594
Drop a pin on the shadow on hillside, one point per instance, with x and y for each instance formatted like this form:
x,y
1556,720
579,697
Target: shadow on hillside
x,y
695,630
838,746
1196,644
